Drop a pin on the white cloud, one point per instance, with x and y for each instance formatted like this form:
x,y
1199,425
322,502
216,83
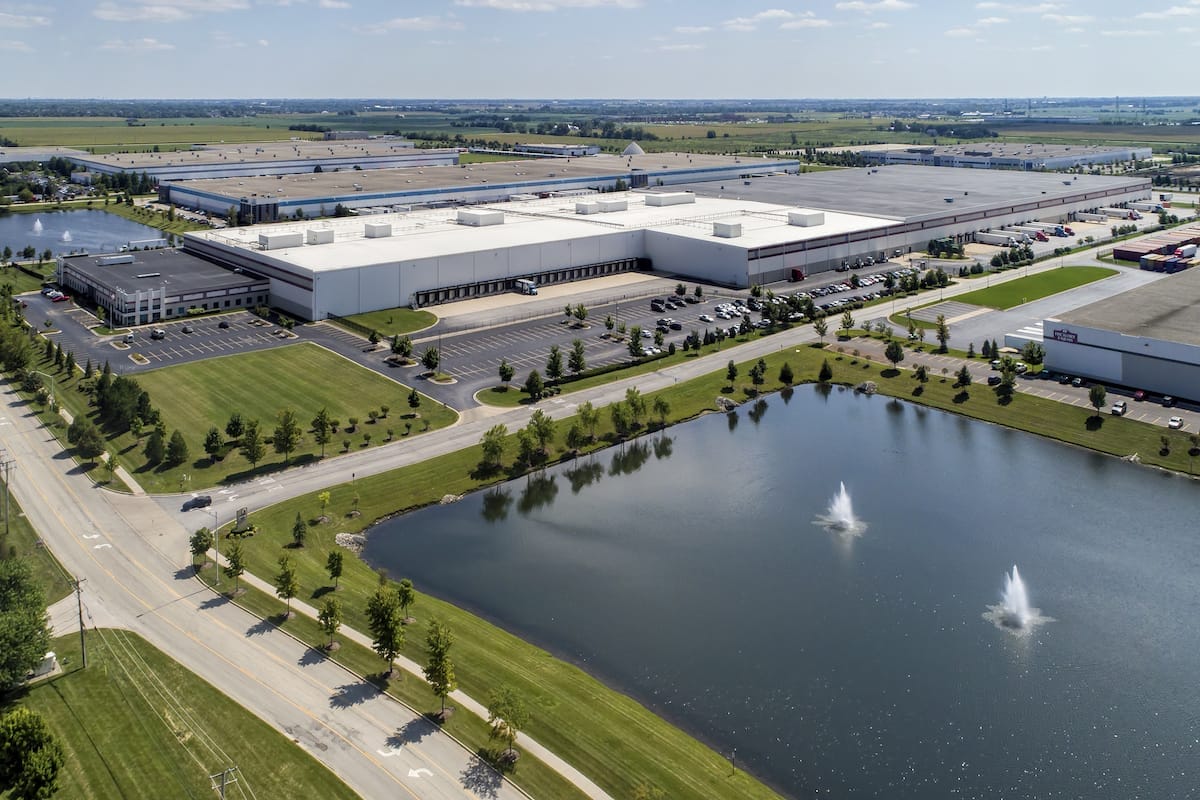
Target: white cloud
x,y
1130,33
1075,30
333,4
1039,8
546,5
15,45
991,21
263,43
807,22
410,24
680,48
752,23
163,10
690,30
1173,11
1041,48
22,20
879,5
1067,19
959,33
140,45
878,26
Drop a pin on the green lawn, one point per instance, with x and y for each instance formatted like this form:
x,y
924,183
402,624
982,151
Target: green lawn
x,y
1034,287
22,281
136,724
393,321
304,377
22,541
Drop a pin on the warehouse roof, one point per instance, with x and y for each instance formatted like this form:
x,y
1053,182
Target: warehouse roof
x,y
1167,309
179,271
291,150
996,149
539,170
437,233
912,192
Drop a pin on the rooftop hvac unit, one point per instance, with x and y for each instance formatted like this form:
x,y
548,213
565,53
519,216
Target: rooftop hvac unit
x,y
479,217
276,241
670,199
320,235
727,230
607,206
108,261
587,207
806,218
377,230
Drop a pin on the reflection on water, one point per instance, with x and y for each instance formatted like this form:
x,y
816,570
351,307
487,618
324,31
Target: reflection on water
x,y
585,474
540,490
629,457
757,411
495,504
664,446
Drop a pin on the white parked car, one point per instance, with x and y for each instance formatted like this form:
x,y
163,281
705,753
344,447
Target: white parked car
x,y
1175,423
705,318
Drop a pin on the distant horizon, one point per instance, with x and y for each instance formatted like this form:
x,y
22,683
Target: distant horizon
x,y
142,49
1021,100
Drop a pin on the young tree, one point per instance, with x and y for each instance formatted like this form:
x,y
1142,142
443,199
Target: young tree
x,y
847,323
635,342
554,364
439,669
322,429
330,619
385,624
177,449
786,376
235,565
287,434
636,404
492,445
506,372
661,409
200,543
943,332
213,443
1097,394
731,373
580,313
589,418
541,428
406,594
30,756
508,716
825,375
414,399
894,352
287,585
252,447
963,377
235,427
821,328
431,358
609,323
921,373
534,386
299,531
576,361
155,449
333,565
621,419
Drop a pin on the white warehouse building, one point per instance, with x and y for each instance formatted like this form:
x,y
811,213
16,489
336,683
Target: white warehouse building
x,y
792,226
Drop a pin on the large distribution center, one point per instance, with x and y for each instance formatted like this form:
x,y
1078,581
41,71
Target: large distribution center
x,y
1147,338
1002,155
783,226
265,199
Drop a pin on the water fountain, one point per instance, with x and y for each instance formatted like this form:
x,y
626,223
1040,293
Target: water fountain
x,y
66,236
1014,612
37,226
840,514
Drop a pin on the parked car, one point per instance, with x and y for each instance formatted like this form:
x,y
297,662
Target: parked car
x,y
1175,423
1139,395
705,318
1118,409
223,324
994,380
1168,401
1077,382
128,338
58,297
158,333
188,329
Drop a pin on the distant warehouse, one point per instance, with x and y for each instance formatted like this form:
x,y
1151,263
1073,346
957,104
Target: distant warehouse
x,y
1002,155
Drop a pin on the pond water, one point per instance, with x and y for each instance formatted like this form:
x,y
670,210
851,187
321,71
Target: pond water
x,y
690,571
81,230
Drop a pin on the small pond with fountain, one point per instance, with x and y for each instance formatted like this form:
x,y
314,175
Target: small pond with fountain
x,y
889,650
79,230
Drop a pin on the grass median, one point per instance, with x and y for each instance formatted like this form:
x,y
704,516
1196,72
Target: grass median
x,y
137,724
1034,287
392,321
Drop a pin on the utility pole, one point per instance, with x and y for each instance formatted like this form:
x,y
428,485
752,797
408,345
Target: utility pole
x,y
5,465
79,601
226,777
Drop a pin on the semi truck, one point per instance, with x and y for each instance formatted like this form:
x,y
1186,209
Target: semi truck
x,y
525,286
1186,251
1153,208
997,238
1085,216
1052,228
1121,213
1035,233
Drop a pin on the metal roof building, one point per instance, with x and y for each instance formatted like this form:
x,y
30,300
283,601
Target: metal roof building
x,y
988,154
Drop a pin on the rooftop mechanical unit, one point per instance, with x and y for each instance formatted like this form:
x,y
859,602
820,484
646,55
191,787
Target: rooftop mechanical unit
x,y
377,230
670,199
277,241
727,230
320,235
478,218
806,218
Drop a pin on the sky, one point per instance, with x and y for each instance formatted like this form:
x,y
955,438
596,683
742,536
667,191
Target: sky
x,y
596,48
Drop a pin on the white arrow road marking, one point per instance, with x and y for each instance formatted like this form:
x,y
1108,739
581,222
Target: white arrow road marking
x,y
91,536
417,773
101,546
388,753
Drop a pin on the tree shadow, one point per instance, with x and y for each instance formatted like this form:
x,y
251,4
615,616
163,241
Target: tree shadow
x,y
889,372
962,397
263,626
311,657
214,602
349,695
321,591
413,732
918,390
1094,422
481,778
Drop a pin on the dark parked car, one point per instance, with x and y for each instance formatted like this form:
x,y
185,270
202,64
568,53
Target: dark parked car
x,y
223,323
199,501
994,380
1168,401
